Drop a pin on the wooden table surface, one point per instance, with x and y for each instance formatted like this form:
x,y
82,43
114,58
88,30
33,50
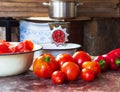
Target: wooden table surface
x,y
28,82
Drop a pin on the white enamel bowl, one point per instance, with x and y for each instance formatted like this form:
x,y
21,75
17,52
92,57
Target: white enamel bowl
x,y
17,63
69,48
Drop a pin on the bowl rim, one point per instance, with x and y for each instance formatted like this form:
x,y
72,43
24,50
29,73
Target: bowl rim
x,y
59,49
36,48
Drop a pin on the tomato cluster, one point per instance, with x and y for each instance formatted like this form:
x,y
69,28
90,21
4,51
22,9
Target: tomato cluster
x,y
65,67
7,47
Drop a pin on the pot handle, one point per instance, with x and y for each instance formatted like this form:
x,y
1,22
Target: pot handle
x,y
46,4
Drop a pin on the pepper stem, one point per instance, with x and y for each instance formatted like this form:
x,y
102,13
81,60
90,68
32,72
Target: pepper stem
x,y
117,62
102,63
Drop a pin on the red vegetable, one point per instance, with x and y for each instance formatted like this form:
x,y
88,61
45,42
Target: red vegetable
x,y
58,77
29,45
116,52
4,48
104,63
92,65
63,57
87,75
71,70
45,65
80,57
20,47
114,61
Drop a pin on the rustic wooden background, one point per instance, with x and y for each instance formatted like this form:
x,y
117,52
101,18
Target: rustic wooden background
x,y
98,35
27,8
101,35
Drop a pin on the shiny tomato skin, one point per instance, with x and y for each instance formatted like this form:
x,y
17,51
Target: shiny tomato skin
x,y
58,77
4,48
44,65
63,57
71,70
92,65
87,75
29,45
80,57
54,64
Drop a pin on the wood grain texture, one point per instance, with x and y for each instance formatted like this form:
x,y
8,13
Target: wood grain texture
x,y
28,82
101,35
26,8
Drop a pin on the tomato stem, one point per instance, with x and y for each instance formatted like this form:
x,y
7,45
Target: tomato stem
x,y
47,59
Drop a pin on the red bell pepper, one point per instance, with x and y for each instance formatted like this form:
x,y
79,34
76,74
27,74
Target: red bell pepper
x,y
116,52
104,63
114,59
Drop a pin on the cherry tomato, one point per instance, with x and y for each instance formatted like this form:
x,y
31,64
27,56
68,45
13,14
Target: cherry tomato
x,y
71,70
92,65
80,57
87,75
45,65
63,57
29,45
58,77
4,48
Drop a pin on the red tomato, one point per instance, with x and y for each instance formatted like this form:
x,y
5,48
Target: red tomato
x,y
94,66
12,48
29,45
63,57
80,57
4,48
44,65
87,75
58,77
20,47
1,41
71,70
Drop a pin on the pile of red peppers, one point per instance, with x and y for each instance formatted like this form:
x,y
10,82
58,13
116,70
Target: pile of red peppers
x,y
110,60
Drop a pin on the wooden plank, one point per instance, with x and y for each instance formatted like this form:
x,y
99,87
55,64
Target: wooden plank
x,y
99,8
91,8
25,1
101,35
16,4
23,14
11,9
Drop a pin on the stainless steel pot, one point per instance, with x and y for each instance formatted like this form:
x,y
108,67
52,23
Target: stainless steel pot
x,y
61,9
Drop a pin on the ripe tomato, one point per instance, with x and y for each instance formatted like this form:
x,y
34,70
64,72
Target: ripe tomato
x,y
45,65
63,57
94,66
80,57
87,74
4,48
20,47
71,70
29,45
58,77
